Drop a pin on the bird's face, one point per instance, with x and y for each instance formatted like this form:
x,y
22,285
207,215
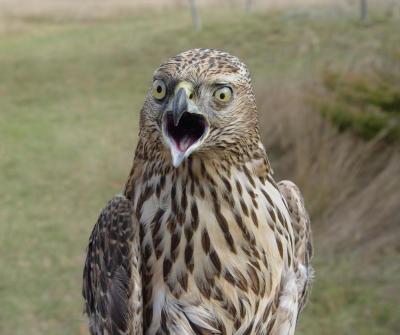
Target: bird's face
x,y
200,101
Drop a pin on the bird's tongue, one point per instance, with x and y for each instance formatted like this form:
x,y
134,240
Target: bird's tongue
x,y
184,143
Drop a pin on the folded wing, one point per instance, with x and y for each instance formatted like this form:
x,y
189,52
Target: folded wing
x,y
303,241
295,282
111,278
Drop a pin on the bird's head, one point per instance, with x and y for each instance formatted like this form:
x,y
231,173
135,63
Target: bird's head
x,y
201,102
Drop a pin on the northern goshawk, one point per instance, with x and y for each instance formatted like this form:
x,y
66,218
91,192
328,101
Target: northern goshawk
x,y
203,240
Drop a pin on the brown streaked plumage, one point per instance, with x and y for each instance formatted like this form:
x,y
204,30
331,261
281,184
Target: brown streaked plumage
x,y
220,248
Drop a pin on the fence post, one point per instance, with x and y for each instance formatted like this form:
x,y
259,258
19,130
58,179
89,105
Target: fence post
x,y
248,5
363,10
195,15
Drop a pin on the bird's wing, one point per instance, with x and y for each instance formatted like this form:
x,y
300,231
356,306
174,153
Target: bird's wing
x,y
295,282
111,277
303,242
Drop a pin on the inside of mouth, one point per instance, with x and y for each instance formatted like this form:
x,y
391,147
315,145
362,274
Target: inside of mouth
x,y
189,130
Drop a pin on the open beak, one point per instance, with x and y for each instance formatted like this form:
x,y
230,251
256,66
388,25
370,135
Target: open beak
x,y
184,127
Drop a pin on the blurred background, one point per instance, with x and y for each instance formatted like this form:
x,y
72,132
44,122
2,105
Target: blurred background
x,y
73,75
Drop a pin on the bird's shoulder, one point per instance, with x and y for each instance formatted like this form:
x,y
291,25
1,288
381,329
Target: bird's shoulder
x,y
300,220
303,239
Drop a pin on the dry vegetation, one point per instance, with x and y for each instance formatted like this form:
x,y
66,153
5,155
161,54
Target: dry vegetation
x,y
110,8
351,185
352,191
97,9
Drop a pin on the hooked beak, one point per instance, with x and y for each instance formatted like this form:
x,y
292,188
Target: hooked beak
x,y
184,127
179,105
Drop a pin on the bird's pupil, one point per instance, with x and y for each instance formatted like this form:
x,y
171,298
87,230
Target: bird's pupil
x,y
222,96
159,89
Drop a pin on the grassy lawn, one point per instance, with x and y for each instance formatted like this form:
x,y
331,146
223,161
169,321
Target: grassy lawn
x,y
70,95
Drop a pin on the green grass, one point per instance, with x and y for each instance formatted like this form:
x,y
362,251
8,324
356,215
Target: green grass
x,y
70,94
351,296
367,103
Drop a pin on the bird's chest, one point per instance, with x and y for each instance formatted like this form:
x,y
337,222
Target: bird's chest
x,y
210,252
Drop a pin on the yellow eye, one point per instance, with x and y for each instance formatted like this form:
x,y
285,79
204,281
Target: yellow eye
x,y
159,89
223,94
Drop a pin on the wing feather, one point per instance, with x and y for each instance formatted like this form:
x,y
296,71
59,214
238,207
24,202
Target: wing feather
x,y
303,241
111,277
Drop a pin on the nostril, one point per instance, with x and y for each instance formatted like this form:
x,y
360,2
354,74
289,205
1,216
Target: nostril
x,y
190,96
